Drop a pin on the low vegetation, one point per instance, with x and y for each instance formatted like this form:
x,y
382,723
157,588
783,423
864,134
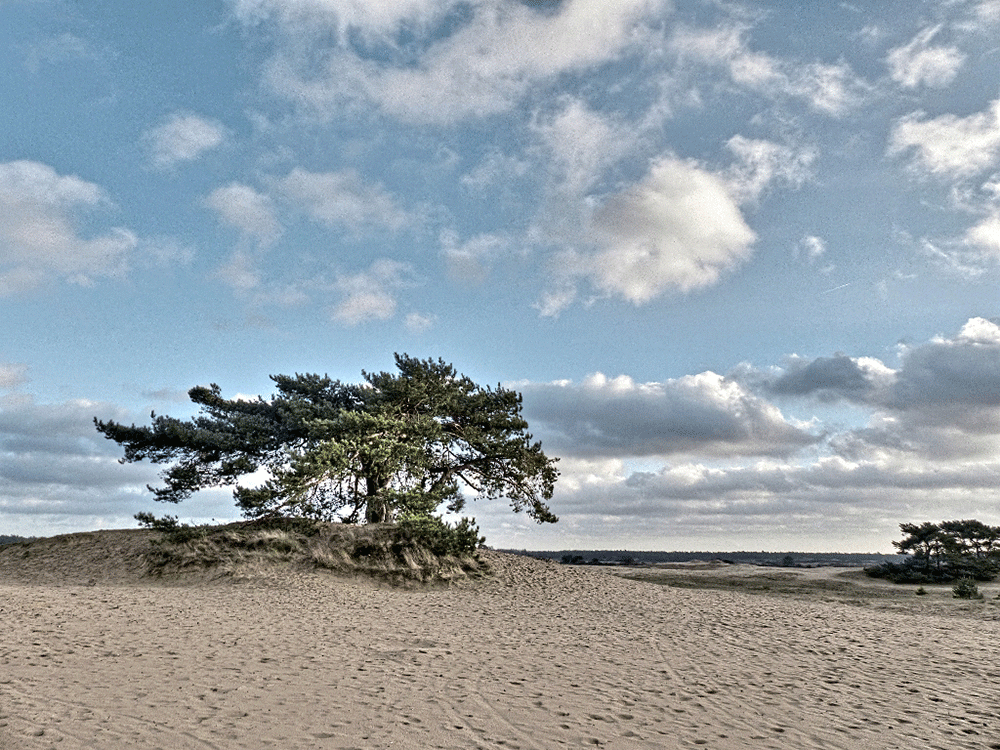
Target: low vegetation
x,y
13,539
424,550
966,589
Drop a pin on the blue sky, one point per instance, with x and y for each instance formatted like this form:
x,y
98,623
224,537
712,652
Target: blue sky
x,y
740,258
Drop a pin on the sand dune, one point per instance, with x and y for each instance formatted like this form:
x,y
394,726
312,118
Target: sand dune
x,y
538,656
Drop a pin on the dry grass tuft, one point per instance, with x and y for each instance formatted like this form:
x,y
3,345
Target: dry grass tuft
x,y
382,551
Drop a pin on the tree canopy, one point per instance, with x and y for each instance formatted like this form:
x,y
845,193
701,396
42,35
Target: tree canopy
x,y
398,444
945,551
950,543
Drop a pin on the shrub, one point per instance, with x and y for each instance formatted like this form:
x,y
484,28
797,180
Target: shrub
x,y
440,537
909,571
966,589
921,591
172,529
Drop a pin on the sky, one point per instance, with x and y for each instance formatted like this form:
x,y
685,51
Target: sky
x,y
740,258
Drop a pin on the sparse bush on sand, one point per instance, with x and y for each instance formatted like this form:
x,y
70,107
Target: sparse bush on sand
x,y
966,589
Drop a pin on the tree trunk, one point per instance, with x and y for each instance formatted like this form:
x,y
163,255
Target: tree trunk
x,y
376,508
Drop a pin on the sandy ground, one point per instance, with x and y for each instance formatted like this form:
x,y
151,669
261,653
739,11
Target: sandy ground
x,y
539,656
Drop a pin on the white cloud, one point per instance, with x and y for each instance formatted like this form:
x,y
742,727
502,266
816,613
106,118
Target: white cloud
x,y
761,163
943,402
58,474
948,145
988,11
919,63
345,200
481,63
240,271
561,292
12,375
979,332
379,18
582,144
985,236
830,89
183,136
419,322
812,247
495,168
705,453
679,229
371,295
41,231
250,212
60,49
470,261
703,414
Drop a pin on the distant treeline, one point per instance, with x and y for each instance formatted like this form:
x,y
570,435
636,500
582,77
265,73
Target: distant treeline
x,y
782,559
13,539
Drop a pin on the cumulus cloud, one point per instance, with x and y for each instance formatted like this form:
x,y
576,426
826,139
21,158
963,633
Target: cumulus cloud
x,y
959,374
829,89
988,11
919,63
942,402
949,146
679,229
42,229
54,462
345,200
57,473
183,136
252,213
984,237
858,379
439,62
704,452
64,48
419,322
240,271
704,414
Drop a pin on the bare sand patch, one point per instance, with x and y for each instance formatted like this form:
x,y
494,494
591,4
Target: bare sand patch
x,y
538,655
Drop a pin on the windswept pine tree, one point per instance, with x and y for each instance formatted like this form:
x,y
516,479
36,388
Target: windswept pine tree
x,y
402,444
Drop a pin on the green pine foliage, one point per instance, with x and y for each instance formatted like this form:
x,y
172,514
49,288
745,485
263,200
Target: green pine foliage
x,y
966,588
944,552
398,445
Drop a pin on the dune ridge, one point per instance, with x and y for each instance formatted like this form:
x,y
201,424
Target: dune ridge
x,y
537,655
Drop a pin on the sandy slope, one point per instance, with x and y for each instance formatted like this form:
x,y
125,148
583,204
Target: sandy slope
x,y
539,656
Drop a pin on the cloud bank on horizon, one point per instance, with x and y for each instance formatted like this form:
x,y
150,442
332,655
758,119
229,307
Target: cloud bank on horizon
x,y
740,258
